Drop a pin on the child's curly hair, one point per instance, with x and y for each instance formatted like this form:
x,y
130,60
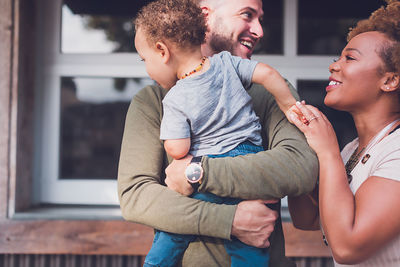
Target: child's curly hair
x,y
178,21
387,21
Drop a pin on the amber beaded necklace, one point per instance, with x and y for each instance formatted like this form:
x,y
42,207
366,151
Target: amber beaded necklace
x,y
198,68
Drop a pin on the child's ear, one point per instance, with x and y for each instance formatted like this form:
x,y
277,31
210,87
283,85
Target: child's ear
x,y
163,51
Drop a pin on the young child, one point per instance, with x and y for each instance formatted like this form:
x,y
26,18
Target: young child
x,y
207,110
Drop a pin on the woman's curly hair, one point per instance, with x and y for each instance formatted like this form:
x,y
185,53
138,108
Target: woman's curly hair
x,y
178,21
387,21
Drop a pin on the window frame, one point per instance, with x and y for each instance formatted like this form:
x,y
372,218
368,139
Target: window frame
x,y
54,65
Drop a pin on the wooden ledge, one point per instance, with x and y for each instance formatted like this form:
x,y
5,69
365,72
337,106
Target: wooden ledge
x,y
117,237
300,243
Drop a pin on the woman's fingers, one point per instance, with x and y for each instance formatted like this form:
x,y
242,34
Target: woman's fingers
x,y
296,121
306,112
309,112
314,110
305,116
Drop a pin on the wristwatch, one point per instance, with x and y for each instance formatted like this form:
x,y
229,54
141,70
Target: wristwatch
x,y
194,173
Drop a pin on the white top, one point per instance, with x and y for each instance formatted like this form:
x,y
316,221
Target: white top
x,y
384,162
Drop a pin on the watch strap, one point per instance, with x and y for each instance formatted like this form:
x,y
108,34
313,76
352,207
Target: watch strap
x,y
195,187
196,159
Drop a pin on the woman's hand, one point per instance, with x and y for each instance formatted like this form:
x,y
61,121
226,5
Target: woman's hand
x,y
316,127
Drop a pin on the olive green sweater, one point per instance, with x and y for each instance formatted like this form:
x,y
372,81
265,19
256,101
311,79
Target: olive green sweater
x,y
287,167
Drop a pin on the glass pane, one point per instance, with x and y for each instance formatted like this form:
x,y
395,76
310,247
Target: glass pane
x,y
323,26
106,26
314,93
272,42
93,114
93,26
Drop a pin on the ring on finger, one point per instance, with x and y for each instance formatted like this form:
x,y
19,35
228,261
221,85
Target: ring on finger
x,y
313,118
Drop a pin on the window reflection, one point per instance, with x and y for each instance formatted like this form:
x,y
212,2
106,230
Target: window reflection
x,y
93,113
94,26
313,92
272,42
323,27
80,35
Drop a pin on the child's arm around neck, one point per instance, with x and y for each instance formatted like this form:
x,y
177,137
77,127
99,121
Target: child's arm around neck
x,y
274,83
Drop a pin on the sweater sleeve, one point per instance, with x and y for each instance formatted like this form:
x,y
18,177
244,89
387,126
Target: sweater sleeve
x,y
143,196
288,166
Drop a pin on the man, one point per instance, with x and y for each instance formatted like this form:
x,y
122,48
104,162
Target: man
x,y
288,167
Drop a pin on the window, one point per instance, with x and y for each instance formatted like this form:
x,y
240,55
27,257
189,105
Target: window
x,y
322,30
88,71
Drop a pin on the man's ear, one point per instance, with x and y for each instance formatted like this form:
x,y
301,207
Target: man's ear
x,y
205,10
391,82
163,51
206,13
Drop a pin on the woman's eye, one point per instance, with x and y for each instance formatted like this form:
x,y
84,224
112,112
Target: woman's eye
x,y
349,58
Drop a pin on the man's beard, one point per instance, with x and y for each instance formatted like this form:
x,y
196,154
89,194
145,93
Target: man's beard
x,y
219,43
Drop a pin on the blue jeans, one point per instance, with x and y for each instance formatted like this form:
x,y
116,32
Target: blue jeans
x,y
168,248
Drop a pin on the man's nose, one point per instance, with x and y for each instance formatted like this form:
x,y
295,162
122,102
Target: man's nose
x,y
256,29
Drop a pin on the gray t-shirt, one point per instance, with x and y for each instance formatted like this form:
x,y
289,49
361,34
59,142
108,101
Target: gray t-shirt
x,y
213,108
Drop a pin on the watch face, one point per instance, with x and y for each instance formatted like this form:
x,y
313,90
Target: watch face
x,y
193,172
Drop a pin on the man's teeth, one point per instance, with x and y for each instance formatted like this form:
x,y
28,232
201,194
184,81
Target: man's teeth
x,y
334,83
247,44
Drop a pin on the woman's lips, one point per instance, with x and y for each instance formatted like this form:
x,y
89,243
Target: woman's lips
x,y
332,83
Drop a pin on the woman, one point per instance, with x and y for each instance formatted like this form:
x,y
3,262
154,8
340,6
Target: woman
x,y
362,221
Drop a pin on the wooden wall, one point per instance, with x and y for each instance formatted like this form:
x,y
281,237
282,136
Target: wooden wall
x,y
6,35
116,238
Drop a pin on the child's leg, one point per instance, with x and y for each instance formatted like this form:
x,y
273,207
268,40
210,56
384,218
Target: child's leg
x,y
168,248
242,254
